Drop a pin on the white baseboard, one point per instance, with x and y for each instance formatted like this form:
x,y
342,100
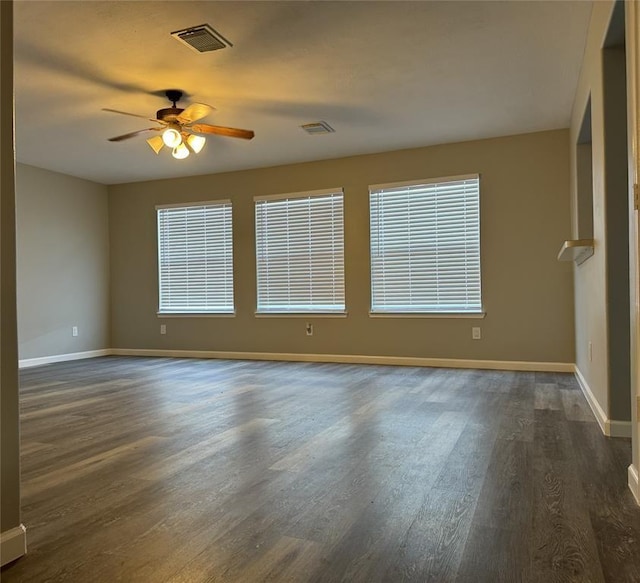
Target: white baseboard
x,y
29,362
353,359
620,429
609,428
598,411
13,544
296,357
634,485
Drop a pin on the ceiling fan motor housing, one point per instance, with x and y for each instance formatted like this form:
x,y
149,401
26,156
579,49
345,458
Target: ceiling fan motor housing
x,y
169,114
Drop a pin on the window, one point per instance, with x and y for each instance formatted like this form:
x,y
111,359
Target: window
x,y
425,246
300,252
195,258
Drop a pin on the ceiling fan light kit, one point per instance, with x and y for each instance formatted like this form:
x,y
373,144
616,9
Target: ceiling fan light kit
x,y
178,128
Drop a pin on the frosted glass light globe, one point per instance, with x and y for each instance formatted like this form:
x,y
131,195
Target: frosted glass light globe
x,y
196,143
171,137
180,152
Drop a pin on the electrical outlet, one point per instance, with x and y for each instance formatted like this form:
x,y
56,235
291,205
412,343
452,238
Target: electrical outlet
x,y
309,329
163,328
74,331
590,351
475,333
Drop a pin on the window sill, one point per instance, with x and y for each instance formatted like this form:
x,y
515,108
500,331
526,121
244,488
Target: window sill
x,y
434,315
300,314
196,314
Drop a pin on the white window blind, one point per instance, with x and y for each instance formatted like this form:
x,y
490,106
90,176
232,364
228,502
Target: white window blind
x,y
300,252
195,258
425,246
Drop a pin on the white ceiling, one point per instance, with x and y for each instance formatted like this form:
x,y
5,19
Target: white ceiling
x,y
385,75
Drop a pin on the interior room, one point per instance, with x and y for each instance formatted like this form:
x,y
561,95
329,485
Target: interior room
x,y
319,291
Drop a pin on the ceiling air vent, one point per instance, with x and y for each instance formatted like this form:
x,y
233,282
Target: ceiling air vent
x,y
318,127
202,38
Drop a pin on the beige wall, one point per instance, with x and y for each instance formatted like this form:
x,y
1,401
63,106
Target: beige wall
x,y
597,297
63,263
9,425
525,216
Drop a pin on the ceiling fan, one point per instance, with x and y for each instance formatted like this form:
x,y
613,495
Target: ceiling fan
x,y
179,129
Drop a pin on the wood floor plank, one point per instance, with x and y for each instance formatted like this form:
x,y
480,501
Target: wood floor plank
x,y
198,451
63,408
65,474
507,491
547,397
551,434
494,555
290,560
575,406
432,548
563,543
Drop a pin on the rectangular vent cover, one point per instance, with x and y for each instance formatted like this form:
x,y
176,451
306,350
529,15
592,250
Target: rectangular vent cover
x,y
202,38
318,127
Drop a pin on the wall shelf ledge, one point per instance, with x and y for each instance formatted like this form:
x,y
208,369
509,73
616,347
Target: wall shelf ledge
x,y
578,250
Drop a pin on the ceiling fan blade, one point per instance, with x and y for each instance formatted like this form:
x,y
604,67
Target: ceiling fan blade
x,y
204,128
194,112
133,134
126,113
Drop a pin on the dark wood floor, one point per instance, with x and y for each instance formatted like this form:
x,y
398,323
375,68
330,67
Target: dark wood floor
x,y
167,470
